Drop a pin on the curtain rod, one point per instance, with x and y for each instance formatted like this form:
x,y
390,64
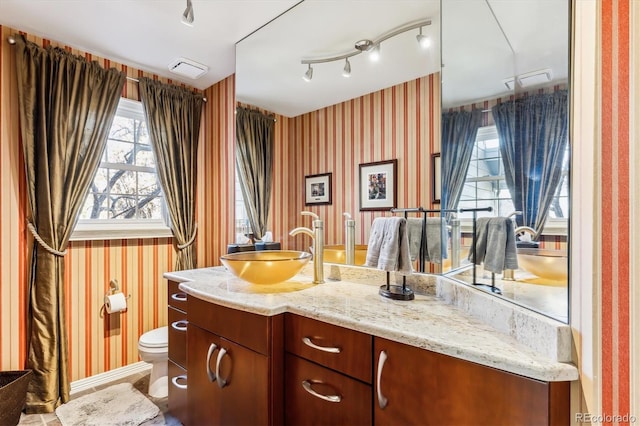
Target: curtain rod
x,y
12,41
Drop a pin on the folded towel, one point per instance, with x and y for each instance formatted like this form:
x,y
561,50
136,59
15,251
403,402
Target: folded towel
x,y
495,244
436,238
388,247
414,233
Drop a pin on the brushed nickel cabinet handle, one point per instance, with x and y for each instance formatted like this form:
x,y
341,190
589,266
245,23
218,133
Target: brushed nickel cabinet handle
x,y
306,384
382,401
211,374
178,385
307,341
180,325
221,382
179,297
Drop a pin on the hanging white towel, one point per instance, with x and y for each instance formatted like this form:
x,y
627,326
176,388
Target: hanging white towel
x,y
388,247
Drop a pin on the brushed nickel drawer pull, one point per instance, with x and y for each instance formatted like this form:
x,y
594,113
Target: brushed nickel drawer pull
x,y
211,374
306,384
307,341
178,385
221,382
382,401
179,325
179,297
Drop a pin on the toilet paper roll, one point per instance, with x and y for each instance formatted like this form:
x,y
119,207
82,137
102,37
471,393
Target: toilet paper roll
x,y
115,303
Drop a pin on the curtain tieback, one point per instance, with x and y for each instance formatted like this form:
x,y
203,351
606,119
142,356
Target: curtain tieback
x,y
46,246
191,240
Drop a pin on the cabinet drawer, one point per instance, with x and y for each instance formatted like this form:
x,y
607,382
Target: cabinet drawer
x,y
177,400
306,386
248,329
338,348
176,297
178,336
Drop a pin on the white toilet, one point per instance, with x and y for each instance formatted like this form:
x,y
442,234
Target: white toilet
x,y
153,347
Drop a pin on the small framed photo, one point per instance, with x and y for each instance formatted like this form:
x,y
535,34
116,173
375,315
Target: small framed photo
x,y
317,189
436,178
378,185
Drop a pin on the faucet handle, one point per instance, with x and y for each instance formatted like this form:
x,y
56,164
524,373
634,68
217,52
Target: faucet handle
x,y
312,214
347,215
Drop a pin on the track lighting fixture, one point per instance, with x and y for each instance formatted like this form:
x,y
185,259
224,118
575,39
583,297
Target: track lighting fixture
x,y
187,15
308,75
370,46
423,40
346,71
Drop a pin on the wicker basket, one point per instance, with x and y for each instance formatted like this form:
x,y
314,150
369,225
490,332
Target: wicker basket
x,y
13,395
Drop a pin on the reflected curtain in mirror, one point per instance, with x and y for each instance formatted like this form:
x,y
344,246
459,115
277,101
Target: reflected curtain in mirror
x,y
459,129
254,162
67,105
173,118
533,134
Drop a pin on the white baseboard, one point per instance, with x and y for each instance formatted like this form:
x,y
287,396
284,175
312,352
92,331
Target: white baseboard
x,y
109,376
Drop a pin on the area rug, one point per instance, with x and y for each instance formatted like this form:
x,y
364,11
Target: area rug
x,y
120,404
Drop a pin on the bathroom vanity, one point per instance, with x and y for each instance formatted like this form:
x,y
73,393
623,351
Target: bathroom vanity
x,y
338,353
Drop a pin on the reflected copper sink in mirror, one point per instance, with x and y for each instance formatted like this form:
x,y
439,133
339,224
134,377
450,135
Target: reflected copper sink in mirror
x,y
544,263
337,254
266,267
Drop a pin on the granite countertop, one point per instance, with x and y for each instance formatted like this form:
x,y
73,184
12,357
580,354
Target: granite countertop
x,y
426,322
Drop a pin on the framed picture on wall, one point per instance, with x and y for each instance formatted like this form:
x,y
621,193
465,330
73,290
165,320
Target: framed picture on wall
x,y
436,178
378,185
317,189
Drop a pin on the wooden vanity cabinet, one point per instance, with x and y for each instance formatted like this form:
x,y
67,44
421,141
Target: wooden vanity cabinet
x,y
235,366
416,386
327,375
177,364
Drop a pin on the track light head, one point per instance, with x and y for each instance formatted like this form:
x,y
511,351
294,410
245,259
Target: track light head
x,y
308,75
346,71
374,53
187,15
423,40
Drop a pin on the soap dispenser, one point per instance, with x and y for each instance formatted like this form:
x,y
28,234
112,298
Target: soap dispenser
x,y
350,239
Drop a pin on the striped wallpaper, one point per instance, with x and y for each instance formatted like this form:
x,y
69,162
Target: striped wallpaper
x,y
401,122
616,105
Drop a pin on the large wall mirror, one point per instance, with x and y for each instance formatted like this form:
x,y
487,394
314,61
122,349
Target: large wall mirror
x,y
493,51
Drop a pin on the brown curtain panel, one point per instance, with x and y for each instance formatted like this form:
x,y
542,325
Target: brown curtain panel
x,y
173,118
67,105
254,162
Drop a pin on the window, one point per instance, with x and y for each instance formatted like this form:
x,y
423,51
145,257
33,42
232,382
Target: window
x,y
485,184
125,199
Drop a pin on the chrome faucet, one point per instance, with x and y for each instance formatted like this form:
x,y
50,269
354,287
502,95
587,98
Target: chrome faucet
x,y
317,235
349,239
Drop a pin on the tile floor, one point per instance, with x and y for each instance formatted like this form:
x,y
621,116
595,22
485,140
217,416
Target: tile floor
x,y
140,381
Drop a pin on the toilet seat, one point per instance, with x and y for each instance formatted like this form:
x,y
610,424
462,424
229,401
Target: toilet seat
x,y
156,338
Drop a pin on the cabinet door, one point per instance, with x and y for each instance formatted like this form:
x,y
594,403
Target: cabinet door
x,y
316,395
177,401
415,386
244,377
178,337
203,393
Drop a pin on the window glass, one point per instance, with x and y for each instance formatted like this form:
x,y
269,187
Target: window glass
x,y
126,184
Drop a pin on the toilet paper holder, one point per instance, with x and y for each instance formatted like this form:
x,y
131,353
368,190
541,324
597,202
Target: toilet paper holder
x,y
114,288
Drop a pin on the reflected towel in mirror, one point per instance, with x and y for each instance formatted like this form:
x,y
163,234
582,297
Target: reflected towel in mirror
x,y
495,244
388,247
436,234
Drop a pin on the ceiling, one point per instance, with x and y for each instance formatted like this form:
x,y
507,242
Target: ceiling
x,y
147,34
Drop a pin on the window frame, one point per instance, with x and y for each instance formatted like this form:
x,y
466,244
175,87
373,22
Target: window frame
x,y
117,229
